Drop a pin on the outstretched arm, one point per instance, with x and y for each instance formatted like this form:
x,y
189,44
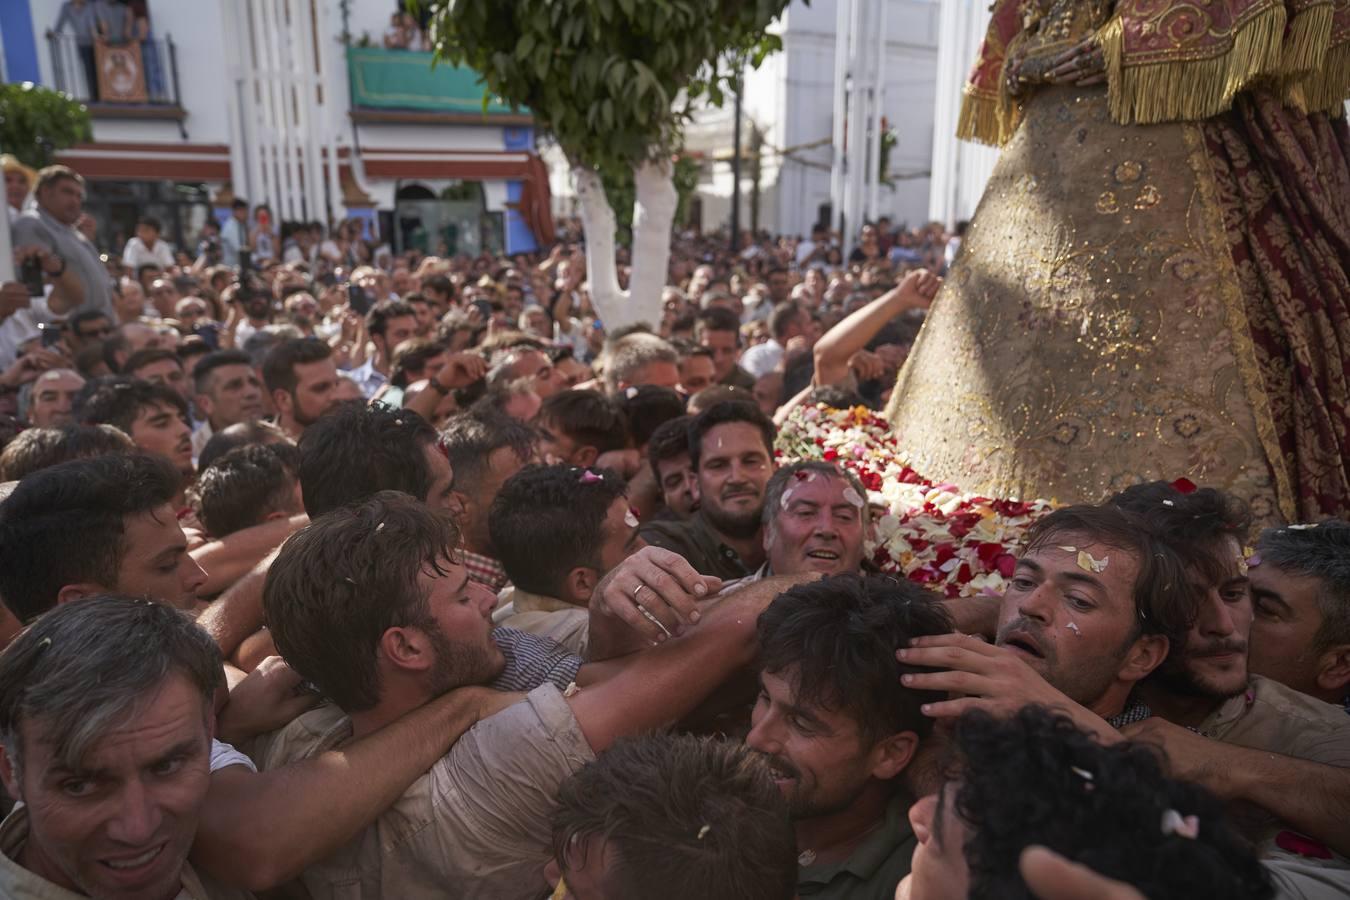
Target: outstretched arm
x,y
1311,796
658,687
261,829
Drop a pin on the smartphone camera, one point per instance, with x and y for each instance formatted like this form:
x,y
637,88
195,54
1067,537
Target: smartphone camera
x,y
31,275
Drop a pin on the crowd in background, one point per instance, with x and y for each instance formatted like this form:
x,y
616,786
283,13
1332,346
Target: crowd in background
x,y
508,547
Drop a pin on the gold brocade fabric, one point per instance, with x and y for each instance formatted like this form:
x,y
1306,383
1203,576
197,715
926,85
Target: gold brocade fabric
x,y
1084,339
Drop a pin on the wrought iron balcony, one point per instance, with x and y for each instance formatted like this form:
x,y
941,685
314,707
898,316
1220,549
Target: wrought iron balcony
x,y
135,79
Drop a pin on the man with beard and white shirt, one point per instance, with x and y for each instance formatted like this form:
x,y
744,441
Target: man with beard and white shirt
x,y
731,453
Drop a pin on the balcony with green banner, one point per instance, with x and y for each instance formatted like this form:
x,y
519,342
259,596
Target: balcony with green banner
x,y
403,87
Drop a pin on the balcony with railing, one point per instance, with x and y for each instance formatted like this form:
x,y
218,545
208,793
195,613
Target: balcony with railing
x,y
131,80
403,87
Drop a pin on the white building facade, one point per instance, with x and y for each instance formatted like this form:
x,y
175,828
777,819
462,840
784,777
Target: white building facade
x,y
788,122
297,105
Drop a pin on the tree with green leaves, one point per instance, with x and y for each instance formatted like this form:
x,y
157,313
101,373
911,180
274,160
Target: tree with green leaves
x,y
35,122
614,82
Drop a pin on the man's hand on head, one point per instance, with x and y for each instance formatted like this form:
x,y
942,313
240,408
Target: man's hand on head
x,y
655,592
269,698
985,677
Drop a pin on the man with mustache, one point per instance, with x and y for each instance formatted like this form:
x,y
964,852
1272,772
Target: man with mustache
x,y
838,734
1249,739
731,453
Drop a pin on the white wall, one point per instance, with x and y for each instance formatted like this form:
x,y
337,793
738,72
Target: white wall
x,y
792,97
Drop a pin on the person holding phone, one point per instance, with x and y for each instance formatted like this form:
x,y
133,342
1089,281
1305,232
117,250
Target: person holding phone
x,y
262,239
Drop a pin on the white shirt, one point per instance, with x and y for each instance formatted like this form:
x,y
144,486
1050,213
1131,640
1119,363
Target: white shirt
x,y
137,254
762,359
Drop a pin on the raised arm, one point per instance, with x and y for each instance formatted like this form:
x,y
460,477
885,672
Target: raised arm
x,y
261,829
836,348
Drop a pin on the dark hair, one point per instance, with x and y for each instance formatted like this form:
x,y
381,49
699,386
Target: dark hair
x,y
119,399
1036,779
1322,552
440,284
150,222
784,316
718,318
359,450
647,407
547,520
1161,596
278,368
239,203
344,580
241,489
241,434
724,413
86,315
588,417
669,441
72,671
41,448
839,636
470,439
412,356
201,372
64,525
148,356
377,320
683,816
147,267
1193,524
718,393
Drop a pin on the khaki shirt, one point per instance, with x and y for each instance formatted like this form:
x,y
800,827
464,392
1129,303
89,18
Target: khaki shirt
x,y
546,617
475,827
1277,719
17,883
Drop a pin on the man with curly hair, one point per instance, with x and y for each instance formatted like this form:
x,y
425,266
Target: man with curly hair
x,y
1037,780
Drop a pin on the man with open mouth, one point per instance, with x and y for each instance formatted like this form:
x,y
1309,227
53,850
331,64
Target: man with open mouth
x,y
108,751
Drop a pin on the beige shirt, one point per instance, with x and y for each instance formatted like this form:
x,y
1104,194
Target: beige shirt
x,y
1278,719
475,827
546,617
17,883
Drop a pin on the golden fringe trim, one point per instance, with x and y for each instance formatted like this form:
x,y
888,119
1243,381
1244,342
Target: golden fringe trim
x,y
982,120
1307,40
1327,89
1190,90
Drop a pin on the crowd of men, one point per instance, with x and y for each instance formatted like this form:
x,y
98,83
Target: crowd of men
x,y
413,581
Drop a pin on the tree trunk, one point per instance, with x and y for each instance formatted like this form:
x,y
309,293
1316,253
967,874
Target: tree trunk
x,y
653,216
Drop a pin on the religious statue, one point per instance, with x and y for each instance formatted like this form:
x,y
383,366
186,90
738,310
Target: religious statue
x,y
1156,283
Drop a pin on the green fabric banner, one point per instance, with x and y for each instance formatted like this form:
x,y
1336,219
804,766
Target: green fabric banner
x,y
402,79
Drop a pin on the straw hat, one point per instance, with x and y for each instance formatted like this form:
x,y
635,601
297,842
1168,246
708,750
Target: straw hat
x,y
10,163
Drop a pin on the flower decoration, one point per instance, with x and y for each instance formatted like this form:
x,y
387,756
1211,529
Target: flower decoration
x,y
956,543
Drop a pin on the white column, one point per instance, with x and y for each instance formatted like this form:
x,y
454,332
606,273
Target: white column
x,y
327,116
877,75
310,109
842,20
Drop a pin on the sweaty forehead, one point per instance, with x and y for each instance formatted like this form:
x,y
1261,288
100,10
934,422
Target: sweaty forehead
x,y
732,438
